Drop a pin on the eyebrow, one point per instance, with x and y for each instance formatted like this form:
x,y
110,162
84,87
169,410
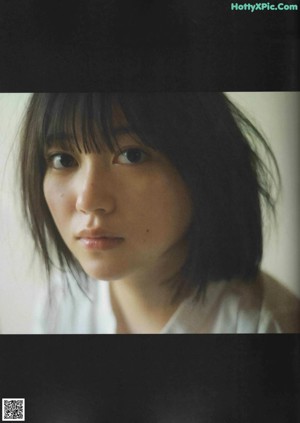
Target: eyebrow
x,y
63,136
60,139
122,129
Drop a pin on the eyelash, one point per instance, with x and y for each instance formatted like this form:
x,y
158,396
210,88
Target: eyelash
x,y
50,160
142,157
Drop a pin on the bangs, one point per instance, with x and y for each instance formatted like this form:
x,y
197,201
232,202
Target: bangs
x,y
80,121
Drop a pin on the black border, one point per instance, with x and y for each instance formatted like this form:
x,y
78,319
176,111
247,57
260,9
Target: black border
x,y
184,378
114,45
127,45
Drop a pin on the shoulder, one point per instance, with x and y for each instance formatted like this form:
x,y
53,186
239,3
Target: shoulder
x,y
242,309
233,307
260,306
236,307
64,306
282,303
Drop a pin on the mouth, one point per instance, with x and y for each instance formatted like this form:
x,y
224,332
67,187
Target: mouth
x,y
98,241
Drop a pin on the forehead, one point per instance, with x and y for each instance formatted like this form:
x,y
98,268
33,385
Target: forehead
x,y
79,109
85,124
118,116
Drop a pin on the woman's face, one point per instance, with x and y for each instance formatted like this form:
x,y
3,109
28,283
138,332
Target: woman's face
x,y
122,215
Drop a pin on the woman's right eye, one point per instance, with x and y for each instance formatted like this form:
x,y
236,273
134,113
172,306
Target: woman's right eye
x,y
61,161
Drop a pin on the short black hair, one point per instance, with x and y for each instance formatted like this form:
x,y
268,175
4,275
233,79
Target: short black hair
x,y
215,148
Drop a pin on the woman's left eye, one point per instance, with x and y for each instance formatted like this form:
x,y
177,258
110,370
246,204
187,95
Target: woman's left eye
x,y
132,156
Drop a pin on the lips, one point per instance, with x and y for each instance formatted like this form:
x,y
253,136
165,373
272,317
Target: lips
x,y
98,239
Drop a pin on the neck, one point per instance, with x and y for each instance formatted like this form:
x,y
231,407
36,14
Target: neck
x,y
141,311
143,303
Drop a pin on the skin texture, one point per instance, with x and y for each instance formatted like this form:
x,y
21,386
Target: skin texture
x,y
141,203
136,195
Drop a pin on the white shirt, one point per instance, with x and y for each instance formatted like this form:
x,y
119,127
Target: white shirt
x,y
227,308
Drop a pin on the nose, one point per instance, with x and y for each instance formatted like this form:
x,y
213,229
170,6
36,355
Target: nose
x,y
95,192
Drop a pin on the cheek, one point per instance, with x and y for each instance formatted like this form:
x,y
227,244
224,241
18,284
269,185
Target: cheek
x,y
176,212
57,201
166,210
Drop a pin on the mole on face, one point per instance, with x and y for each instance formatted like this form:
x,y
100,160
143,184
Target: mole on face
x,y
147,230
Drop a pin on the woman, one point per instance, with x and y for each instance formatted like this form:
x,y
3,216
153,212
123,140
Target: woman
x,y
152,202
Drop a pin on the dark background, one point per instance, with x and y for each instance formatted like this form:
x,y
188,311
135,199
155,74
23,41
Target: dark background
x,y
146,45
153,379
149,45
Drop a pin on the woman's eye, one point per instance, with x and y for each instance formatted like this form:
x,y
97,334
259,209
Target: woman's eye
x,y
132,156
61,161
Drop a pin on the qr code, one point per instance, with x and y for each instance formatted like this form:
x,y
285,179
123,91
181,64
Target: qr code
x,y
13,409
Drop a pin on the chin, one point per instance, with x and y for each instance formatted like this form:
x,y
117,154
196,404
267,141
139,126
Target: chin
x,y
103,273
